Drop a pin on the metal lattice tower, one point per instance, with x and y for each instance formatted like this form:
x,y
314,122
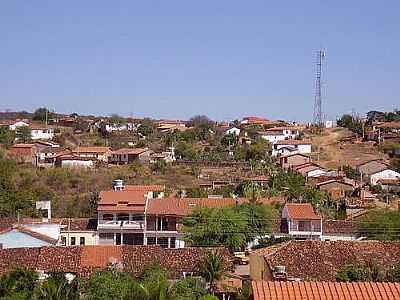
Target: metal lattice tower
x,y
317,119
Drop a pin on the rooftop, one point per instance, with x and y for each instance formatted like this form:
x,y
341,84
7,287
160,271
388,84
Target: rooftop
x,y
264,290
293,142
124,200
132,151
301,211
83,260
325,258
92,150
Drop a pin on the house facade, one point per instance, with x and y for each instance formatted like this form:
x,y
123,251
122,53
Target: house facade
x,y
97,153
41,132
292,160
273,135
374,178
297,145
127,155
302,222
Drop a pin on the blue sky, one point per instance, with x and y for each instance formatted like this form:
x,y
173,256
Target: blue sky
x,y
175,59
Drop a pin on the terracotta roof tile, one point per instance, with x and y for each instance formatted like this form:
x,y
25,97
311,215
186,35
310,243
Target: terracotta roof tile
x,y
92,150
145,188
133,151
324,258
122,201
100,256
301,211
293,142
263,290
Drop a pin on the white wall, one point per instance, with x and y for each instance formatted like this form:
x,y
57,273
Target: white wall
x,y
77,164
17,124
385,174
42,134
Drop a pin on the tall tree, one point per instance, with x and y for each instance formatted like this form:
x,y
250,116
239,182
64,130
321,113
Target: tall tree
x,y
19,283
212,269
23,133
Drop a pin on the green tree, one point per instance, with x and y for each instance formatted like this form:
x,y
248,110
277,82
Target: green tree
x,y
23,133
371,271
380,224
18,283
109,285
185,151
40,114
393,275
212,269
117,119
7,136
216,227
56,287
188,289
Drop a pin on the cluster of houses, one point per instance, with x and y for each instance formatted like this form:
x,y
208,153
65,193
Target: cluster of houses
x,y
138,225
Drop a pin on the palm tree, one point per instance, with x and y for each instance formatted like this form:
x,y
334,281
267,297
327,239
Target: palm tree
x,y
55,288
212,269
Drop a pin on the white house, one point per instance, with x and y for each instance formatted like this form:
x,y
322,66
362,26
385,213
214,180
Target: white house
x,y
384,174
73,161
15,125
233,130
297,145
302,222
279,134
41,132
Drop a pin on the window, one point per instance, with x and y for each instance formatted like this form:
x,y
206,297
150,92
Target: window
x,y
151,241
162,223
108,217
82,240
123,217
163,242
117,239
137,217
63,240
172,242
73,241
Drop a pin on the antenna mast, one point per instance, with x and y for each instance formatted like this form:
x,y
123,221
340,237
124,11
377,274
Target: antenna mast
x,y
318,120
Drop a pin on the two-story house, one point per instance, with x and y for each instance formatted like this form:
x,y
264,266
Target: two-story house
x,y
302,222
298,146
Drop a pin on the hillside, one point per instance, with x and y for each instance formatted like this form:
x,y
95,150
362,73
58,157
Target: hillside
x,y
333,152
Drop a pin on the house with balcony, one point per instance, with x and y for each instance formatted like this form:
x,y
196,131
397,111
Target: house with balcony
x,y
302,222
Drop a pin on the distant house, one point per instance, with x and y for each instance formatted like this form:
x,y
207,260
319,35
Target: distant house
x,y
170,125
335,188
128,155
386,174
75,161
78,232
21,236
233,130
302,222
98,153
279,134
297,145
251,121
309,170
41,132
392,185
371,167
24,153
292,160
18,123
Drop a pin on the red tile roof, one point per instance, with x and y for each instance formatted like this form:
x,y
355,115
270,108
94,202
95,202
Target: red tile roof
x,y
185,206
132,151
145,188
125,200
84,260
321,260
100,256
92,150
293,142
268,290
301,211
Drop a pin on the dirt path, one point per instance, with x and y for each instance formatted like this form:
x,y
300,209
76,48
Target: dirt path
x,y
332,153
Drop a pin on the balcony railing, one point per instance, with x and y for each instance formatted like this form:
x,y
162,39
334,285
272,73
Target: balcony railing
x,y
115,224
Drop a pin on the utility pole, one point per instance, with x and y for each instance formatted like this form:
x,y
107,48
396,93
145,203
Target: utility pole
x,y
317,118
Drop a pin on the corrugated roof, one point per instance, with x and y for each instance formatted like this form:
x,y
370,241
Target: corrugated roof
x,y
301,211
274,290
